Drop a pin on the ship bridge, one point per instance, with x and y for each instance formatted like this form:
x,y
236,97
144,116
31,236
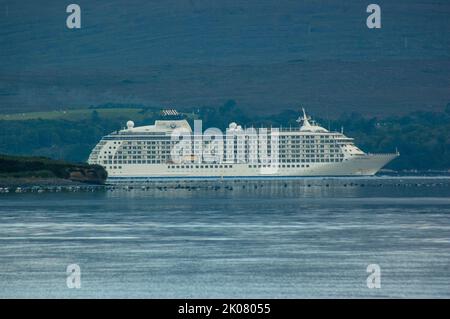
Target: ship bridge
x,y
163,127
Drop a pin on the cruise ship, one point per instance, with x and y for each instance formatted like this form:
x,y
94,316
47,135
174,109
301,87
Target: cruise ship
x,y
171,149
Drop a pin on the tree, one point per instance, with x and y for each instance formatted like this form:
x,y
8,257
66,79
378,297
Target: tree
x,y
227,107
94,116
447,109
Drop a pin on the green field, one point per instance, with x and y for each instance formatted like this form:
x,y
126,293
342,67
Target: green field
x,y
80,114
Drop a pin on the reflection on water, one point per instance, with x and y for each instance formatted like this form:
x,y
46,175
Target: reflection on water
x,y
260,239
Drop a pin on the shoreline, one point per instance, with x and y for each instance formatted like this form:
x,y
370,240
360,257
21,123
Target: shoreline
x,y
62,185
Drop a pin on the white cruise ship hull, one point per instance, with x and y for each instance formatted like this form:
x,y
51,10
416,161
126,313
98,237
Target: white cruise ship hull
x,y
365,165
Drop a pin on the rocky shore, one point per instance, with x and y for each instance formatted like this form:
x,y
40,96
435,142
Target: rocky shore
x,y
17,171
417,183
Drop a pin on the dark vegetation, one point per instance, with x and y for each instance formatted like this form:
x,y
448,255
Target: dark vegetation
x,y
423,138
41,167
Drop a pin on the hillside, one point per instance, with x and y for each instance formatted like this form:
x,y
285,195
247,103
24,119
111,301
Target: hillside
x,y
268,55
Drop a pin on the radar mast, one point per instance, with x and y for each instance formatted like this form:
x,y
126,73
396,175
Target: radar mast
x,y
304,120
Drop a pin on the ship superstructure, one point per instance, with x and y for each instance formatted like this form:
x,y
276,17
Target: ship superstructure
x,y
154,152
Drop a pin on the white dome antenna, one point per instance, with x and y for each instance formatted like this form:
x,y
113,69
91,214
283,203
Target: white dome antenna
x,y
233,125
130,125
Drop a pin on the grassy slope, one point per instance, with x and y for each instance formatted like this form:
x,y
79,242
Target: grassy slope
x,y
75,114
135,114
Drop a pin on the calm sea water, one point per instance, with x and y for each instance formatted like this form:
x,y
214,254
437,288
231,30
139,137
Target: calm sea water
x,y
273,241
